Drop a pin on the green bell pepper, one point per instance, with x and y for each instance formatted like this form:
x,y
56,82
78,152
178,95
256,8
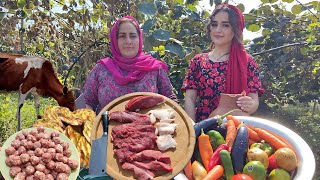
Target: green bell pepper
x,y
216,139
264,146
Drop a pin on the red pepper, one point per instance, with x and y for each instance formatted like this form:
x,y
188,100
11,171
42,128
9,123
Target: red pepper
x,y
215,158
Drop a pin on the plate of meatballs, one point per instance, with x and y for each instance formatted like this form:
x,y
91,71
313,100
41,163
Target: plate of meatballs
x,y
39,153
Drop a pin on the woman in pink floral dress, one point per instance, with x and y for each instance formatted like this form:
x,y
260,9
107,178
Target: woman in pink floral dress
x,y
226,69
129,70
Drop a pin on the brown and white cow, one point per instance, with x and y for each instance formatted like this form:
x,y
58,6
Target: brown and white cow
x,y
31,74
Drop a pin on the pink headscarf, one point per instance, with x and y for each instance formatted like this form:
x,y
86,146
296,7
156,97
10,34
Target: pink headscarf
x,y
137,67
237,65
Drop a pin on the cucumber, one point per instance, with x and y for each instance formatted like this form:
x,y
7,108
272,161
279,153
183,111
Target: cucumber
x,y
239,149
226,163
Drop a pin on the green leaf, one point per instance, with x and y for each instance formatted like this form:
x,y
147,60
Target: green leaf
x,y
241,7
253,27
175,49
40,47
21,3
51,44
147,25
147,9
296,9
288,1
161,35
268,1
266,32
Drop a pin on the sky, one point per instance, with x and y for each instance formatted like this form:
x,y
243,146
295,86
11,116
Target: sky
x,y
250,4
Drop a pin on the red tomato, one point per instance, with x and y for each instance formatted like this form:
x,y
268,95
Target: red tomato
x,y
241,177
272,163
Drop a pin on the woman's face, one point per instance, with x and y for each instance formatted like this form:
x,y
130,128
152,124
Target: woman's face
x,y
221,32
128,40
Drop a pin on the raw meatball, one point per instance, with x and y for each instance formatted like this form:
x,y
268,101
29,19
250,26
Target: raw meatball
x,y
62,176
38,152
51,165
30,177
9,160
22,150
15,160
16,143
51,144
34,160
59,148
29,145
55,134
51,150
49,177
60,167
31,153
46,171
56,140
36,145
58,157
10,150
25,133
46,136
24,142
14,171
39,175
20,136
73,164
67,152
44,143
40,167
30,170
46,157
24,158
20,176
31,138
40,129
65,145
64,159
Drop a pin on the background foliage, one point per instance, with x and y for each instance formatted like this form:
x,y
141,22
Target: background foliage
x,y
73,34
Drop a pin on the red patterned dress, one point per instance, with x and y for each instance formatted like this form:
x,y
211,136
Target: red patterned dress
x,y
209,78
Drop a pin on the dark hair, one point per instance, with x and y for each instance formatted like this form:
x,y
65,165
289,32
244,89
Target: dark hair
x,y
123,20
233,19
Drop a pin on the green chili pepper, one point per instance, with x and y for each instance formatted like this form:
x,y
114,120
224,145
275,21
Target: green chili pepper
x,y
216,139
264,146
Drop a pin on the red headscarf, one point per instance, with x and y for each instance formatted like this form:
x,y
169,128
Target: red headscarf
x,y
237,65
137,67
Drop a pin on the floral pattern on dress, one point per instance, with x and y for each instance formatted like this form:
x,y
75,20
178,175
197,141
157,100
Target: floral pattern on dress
x,y
209,78
100,87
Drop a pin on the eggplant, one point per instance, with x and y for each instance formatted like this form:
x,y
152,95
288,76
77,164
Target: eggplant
x,y
210,123
239,149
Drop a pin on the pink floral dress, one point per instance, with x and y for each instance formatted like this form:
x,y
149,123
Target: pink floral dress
x,y
100,87
209,78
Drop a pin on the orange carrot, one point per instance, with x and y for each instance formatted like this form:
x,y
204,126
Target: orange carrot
x,y
281,138
252,134
271,139
188,171
205,149
251,141
215,173
231,133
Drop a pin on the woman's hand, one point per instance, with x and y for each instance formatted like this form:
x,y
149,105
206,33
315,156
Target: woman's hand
x,y
249,103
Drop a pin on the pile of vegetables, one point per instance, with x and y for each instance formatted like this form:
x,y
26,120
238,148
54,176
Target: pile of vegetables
x,y
236,151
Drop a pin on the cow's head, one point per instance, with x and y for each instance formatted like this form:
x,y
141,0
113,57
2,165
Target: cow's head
x,y
67,99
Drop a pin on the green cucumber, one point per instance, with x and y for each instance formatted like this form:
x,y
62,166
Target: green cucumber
x,y
240,148
226,163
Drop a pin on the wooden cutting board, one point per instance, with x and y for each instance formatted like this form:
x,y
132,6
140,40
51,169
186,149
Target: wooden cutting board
x,y
184,136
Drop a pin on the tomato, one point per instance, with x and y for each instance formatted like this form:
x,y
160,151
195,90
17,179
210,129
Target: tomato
x,y
272,163
241,177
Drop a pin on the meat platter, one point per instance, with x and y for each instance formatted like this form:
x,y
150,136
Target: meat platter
x,y
5,170
184,137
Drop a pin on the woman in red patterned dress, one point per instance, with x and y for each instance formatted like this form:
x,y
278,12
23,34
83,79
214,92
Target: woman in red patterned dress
x,y
227,68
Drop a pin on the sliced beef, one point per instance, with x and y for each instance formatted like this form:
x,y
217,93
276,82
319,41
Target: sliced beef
x,y
127,117
139,173
154,166
148,155
139,141
126,130
123,154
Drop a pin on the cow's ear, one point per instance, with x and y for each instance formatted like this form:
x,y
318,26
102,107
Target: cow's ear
x,y
65,90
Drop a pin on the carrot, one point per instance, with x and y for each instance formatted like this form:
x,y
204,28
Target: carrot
x,y
215,173
252,134
205,149
251,141
231,133
188,171
281,138
271,139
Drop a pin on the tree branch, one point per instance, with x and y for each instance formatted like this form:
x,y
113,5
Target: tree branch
x,y
280,47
